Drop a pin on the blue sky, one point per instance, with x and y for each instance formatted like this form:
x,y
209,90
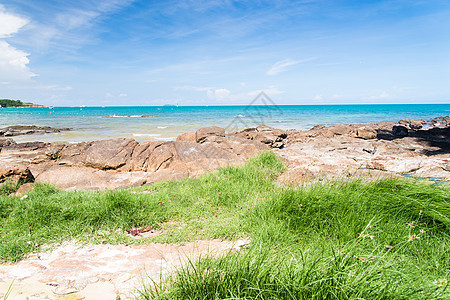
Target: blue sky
x,y
125,52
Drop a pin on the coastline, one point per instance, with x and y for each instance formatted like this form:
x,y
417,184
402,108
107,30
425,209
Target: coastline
x,y
330,175
414,148
95,123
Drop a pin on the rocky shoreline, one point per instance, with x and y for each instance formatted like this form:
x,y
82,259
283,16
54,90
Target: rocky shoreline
x,y
409,147
28,129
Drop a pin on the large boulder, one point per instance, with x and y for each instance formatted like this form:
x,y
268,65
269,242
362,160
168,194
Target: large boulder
x,y
207,134
84,178
109,154
366,133
102,155
187,137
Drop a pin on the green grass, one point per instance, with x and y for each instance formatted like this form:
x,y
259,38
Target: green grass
x,y
336,240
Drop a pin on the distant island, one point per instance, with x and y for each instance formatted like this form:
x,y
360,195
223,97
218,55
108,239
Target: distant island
x,y
17,103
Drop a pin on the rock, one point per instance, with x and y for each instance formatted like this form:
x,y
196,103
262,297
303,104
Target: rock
x,y
84,178
274,138
413,124
318,127
341,129
109,154
446,166
24,189
400,131
73,154
53,151
187,137
160,157
336,151
15,173
320,153
366,133
28,129
264,128
440,122
7,143
203,134
141,153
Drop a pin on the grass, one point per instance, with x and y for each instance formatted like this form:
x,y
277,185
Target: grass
x,y
336,240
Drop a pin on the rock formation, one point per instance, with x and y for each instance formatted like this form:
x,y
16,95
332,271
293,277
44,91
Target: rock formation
x,y
123,162
28,129
382,149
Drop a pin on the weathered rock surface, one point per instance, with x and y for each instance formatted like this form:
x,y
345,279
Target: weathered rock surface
x,y
91,272
28,129
124,162
379,150
274,138
383,149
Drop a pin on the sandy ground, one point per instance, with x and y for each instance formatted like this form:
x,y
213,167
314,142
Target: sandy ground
x,y
72,271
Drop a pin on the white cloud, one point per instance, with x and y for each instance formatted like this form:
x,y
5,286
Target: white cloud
x,y
123,95
282,65
222,93
318,97
9,23
13,63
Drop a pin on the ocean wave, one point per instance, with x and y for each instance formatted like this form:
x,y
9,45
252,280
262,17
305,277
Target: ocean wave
x,y
162,127
129,116
146,134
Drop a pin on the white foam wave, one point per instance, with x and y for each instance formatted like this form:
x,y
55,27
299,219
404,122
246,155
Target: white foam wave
x,y
146,134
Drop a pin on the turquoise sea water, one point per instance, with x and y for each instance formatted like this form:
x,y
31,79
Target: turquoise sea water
x,y
166,122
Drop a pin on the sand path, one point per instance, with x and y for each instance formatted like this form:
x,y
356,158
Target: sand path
x,y
72,271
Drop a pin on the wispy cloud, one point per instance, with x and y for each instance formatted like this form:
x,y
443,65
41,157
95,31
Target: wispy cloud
x,y
282,65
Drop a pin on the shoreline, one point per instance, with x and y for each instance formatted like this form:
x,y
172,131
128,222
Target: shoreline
x,y
69,134
344,150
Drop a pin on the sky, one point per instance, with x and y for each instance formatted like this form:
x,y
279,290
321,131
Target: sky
x,y
224,52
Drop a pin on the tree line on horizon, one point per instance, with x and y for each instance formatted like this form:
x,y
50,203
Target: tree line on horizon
x,y
14,103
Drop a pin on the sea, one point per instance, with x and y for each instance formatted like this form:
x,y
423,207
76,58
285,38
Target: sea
x,y
145,123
